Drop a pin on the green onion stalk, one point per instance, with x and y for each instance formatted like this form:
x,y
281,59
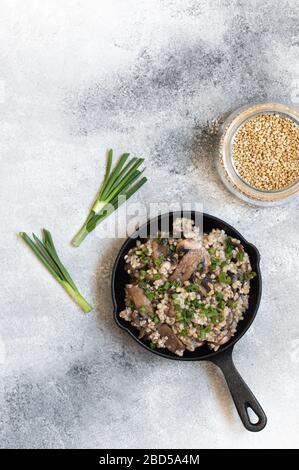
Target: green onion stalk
x,y
120,183
47,254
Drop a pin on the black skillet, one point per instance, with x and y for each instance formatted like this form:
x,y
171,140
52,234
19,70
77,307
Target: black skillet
x,y
241,394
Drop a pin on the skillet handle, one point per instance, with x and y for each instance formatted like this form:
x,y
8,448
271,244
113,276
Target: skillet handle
x,y
241,394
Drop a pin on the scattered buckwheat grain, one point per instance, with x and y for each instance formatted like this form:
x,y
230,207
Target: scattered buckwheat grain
x,y
266,152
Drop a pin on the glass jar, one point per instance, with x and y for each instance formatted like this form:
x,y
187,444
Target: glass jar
x,y
225,164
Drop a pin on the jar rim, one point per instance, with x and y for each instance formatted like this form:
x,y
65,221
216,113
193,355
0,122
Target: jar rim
x,y
234,181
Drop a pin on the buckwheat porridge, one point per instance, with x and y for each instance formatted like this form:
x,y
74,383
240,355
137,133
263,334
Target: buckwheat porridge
x,y
189,291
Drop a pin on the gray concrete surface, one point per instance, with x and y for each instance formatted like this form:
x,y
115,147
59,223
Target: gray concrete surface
x,y
151,77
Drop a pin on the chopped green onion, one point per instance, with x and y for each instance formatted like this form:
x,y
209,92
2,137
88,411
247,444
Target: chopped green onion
x,y
229,251
47,254
223,277
220,300
200,267
203,331
159,261
118,186
249,275
142,274
229,248
143,284
176,283
155,319
164,286
215,262
192,287
150,295
209,312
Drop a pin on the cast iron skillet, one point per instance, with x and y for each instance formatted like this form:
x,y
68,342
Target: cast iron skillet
x,y
241,394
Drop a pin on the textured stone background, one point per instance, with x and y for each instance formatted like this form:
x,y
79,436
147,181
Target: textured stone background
x,y
152,77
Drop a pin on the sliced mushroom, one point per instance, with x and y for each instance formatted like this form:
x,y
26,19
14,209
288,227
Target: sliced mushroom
x,y
160,249
172,343
188,264
203,292
138,297
142,333
207,283
229,319
188,244
233,276
137,318
171,311
206,260
237,244
172,257
164,242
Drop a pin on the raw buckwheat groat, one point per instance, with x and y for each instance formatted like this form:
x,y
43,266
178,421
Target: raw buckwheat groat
x,y
266,152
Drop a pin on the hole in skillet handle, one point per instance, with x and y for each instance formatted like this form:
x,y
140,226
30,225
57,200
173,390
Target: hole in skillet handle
x,y
253,418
